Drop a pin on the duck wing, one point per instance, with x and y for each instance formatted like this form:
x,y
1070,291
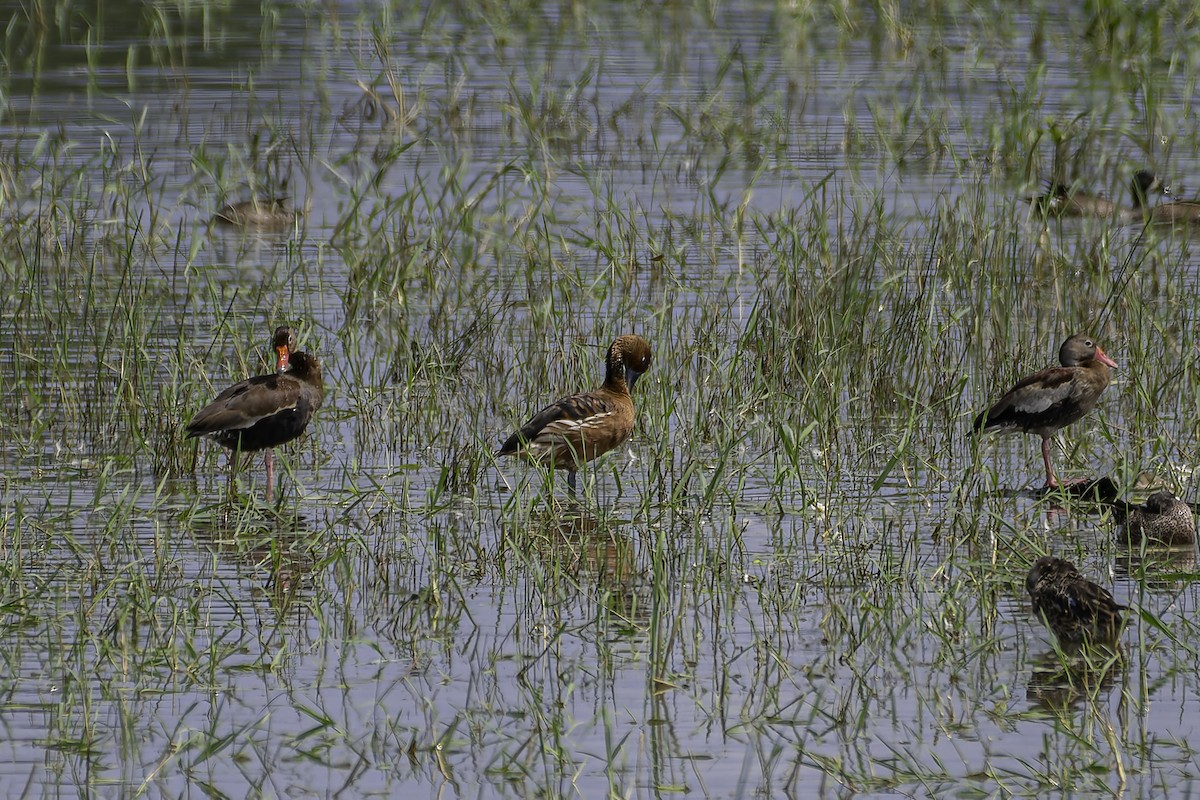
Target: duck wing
x,y
1036,399
570,414
245,404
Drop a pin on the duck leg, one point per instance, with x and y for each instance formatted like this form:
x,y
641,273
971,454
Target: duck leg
x,y
1051,479
571,481
270,475
233,466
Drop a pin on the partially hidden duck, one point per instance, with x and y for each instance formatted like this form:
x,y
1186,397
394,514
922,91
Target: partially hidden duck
x,y
579,428
1048,401
1077,611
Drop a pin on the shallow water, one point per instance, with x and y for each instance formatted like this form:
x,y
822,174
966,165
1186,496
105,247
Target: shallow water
x,y
731,612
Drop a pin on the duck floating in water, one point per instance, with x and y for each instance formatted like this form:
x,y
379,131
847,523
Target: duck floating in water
x,y
1048,401
1062,201
1163,519
1176,212
577,429
1077,611
265,411
273,214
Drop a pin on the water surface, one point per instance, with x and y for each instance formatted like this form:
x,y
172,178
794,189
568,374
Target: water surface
x,y
800,577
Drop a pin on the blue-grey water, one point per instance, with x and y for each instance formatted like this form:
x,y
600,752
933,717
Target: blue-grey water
x,y
728,624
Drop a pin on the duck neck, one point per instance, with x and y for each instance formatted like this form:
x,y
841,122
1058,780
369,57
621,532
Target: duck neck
x,y
614,372
307,369
1100,369
1138,197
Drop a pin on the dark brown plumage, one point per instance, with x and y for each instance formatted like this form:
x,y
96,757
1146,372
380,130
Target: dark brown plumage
x,y
267,410
1048,401
1061,201
579,428
1163,519
1076,610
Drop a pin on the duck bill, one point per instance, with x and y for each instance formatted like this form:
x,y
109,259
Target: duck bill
x,y
1103,358
282,354
631,377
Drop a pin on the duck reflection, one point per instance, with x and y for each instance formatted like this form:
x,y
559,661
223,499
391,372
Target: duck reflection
x,y
1157,568
1086,621
1063,680
1156,540
593,552
1090,495
279,549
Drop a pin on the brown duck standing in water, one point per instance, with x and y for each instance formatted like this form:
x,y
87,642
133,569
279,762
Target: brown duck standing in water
x,y
1076,611
1048,401
1163,519
267,410
1061,201
577,429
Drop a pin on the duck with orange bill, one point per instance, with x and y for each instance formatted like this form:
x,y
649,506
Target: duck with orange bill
x,y
265,411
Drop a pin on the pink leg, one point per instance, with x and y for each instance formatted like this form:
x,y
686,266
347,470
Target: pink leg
x,y
270,476
1051,480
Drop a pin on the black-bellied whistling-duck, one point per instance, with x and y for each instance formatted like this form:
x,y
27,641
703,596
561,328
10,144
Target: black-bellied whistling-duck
x,y
1076,610
272,214
267,410
577,429
1048,401
1163,519
1061,201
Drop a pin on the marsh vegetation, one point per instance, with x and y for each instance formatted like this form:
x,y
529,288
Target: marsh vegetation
x,y
800,575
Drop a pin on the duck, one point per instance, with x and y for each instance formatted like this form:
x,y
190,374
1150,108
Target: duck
x,y
1163,519
579,428
265,411
1176,212
1048,401
272,214
1061,201
1076,610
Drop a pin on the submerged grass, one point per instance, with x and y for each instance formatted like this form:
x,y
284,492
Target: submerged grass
x,y
801,561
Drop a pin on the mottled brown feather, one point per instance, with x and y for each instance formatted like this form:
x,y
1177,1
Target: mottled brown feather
x,y
1076,611
1178,211
576,429
1163,519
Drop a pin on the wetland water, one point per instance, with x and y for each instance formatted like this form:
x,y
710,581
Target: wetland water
x,y
801,576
